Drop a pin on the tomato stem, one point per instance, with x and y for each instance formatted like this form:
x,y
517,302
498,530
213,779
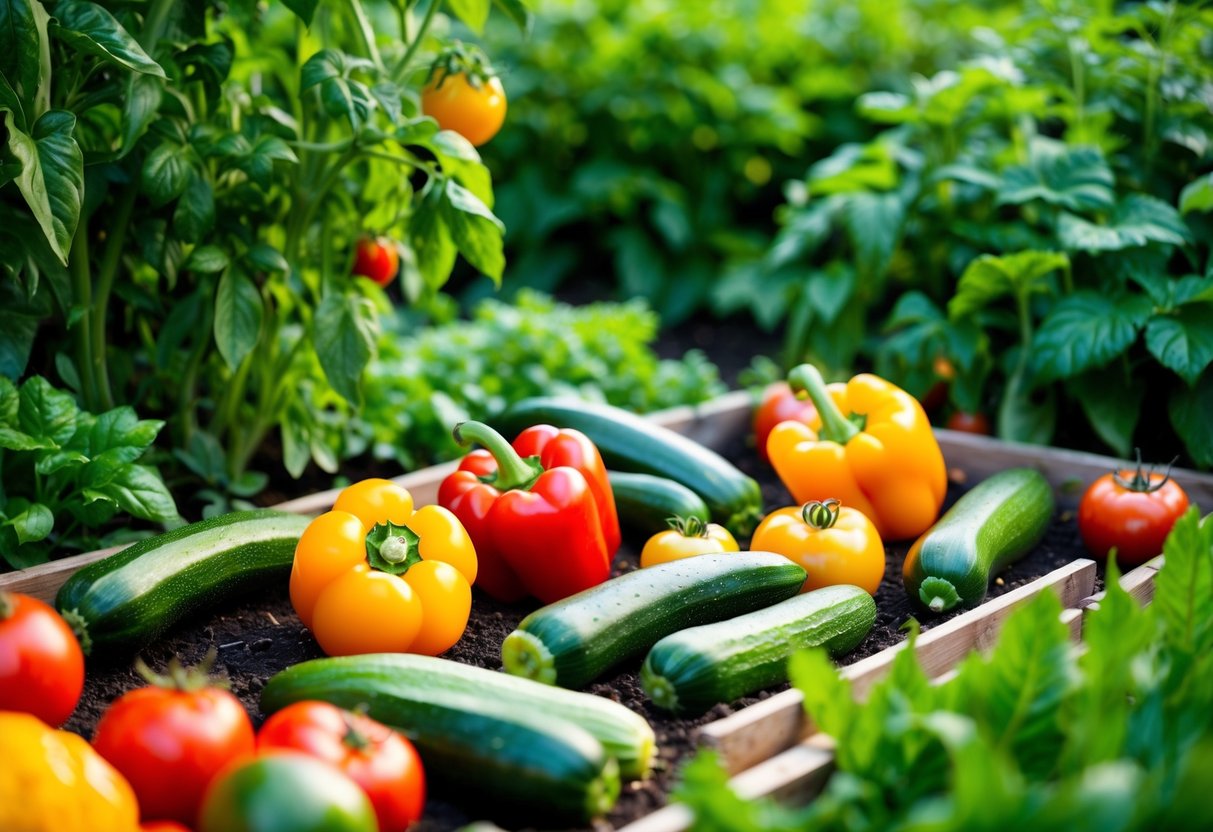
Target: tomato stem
x,y
353,738
179,677
688,526
513,472
821,515
1142,481
835,427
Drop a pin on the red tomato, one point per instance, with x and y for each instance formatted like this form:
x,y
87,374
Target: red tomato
x,y
162,826
378,759
169,743
41,664
779,404
378,259
474,110
969,423
1132,512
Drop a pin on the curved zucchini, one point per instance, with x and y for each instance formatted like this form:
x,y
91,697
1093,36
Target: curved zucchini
x,y
633,443
694,669
645,502
992,525
514,752
571,642
391,683
131,598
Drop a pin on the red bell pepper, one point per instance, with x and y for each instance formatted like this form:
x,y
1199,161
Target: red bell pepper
x,y
540,513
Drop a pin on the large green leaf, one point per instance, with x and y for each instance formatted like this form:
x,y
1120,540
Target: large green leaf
x,y
1137,221
1076,178
1197,195
476,232
121,427
474,13
238,313
1183,339
90,29
989,278
33,524
1189,409
46,413
1184,586
167,172
873,223
431,239
1087,330
1111,403
195,213
461,162
342,95
11,102
516,11
305,9
344,335
20,47
139,108
52,175
1025,415
139,492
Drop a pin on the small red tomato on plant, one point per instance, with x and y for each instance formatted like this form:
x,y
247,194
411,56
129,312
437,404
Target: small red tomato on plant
x,y
779,404
377,259
41,664
969,423
171,738
1131,512
378,759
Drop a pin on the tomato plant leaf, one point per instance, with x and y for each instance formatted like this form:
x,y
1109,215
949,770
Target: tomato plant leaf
x,y
1076,178
238,313
268,259
431,239
1197,195
516,11
20,48
139,492
474,13
1183,339
989,278
46,413
344,333
476,232
90,29
52,175
341,95
1189,409
166,173
305,10
1137,221
460,161
1111,403
1086,330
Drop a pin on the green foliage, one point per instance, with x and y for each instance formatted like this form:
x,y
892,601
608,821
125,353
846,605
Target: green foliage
x,y
66,472
423,383
1028,736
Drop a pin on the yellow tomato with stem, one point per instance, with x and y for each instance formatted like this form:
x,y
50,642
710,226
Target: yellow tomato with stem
x,y
474,107
834,543
685,538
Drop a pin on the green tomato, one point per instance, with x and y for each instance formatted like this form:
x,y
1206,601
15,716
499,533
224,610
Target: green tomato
x,y
285,793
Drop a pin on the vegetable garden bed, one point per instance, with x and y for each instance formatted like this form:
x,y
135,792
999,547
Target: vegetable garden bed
x,y
762,739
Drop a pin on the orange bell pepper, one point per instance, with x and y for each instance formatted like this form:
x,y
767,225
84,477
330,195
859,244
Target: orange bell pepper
x,y
870,446
835,544
374,576
685,538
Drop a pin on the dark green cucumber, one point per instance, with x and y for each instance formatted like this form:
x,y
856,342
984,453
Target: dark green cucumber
x,y
991,526
398,680
635,444
694,669
646,502
571,642
503,746
131,598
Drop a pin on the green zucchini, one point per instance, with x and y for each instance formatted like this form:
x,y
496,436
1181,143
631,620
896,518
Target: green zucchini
x,y
571,642
694,669
635,444
131,598
645,502
491,738
991,526
394,681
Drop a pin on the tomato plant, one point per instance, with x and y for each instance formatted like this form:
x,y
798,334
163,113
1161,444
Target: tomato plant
x,y
378,759
1131,512
171,738
377,259
41,664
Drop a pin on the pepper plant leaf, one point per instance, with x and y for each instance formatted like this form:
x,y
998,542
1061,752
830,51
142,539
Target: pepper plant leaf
x,y
52,175
1086,330
167,172
90,29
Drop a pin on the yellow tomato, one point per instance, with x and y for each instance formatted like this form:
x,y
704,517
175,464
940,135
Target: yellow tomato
x,y
53,781
835,544
373,576
686,538
474,110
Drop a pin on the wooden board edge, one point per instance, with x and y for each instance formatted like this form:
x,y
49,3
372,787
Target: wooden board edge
x,y
1138,582
43,581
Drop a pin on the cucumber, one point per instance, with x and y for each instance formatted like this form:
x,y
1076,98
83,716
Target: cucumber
x,y
994,524
391,682
573,641
694,669
131,598
635,444
645,502
471,731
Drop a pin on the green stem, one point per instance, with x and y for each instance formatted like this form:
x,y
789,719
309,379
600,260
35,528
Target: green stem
x,y
835,427
106,276
1076,71
156,23
513,472
403,67
82,288
367,33
1025,322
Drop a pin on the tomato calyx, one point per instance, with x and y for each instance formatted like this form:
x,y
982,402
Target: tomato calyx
x,y
392,549
7,606
79,629
1142,481
354,738
182,678
821,514
460,59
514,472
688,526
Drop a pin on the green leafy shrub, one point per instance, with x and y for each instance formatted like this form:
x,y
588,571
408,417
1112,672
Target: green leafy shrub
x,y
424,383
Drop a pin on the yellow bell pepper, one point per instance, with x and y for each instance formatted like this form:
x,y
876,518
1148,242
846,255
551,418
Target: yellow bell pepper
x,y
834,544
685,538
870,446
53,781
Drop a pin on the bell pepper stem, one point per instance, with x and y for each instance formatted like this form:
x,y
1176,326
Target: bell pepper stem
x,y
513,472
835,427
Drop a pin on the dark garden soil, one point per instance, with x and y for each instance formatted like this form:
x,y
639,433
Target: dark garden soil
x,y
261,636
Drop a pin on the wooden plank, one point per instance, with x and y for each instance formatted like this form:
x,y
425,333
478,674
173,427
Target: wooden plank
x,y
794,776
672,818
1139,583
761,731
43,581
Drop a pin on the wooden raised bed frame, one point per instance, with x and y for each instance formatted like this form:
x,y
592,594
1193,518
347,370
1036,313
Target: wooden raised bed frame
x,y
770,748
